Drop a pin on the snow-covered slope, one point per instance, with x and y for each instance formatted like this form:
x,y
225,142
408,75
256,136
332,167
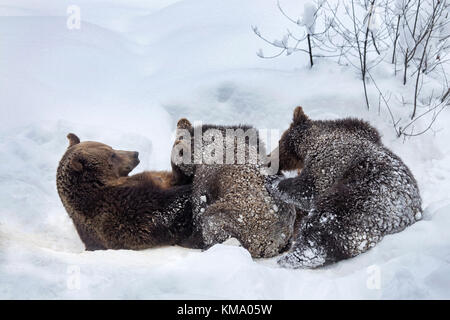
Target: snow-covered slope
x,y
125,78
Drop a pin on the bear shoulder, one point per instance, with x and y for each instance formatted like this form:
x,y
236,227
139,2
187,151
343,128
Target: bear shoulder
x,y
159,179
361,128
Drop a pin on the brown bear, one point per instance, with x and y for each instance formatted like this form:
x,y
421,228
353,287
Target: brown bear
x,y
353,190
112,210
230,199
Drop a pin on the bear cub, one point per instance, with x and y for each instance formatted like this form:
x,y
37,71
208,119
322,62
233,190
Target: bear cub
x,y
352,189
230,199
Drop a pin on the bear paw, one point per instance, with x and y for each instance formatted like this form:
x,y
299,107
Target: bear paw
x,y
277,193
308,257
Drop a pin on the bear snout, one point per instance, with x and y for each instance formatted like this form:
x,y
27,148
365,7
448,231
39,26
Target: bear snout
x,y
128,161
135,157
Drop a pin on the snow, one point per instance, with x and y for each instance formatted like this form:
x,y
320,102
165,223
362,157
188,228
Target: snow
x,y
125,78
308,18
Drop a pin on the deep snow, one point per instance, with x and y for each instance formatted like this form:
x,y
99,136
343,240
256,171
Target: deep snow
x,y
125,78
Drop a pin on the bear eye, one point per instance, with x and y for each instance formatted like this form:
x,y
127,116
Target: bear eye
x,y
113,156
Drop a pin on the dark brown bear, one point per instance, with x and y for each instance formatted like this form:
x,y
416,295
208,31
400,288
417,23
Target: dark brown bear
x,y
112,210
353,190
231,200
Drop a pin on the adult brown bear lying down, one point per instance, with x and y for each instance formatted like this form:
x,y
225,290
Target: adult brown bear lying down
x,y
112,210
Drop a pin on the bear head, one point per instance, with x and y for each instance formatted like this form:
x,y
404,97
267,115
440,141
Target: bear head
x,y
292,140
211,144
182,158
96,160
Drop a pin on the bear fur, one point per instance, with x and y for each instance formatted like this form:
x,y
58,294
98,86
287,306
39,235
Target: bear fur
x,y
112,210
231,200
353,190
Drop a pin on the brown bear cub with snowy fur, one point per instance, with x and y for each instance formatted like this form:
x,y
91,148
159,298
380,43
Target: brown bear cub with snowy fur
x,y
353,190
230,199
112,210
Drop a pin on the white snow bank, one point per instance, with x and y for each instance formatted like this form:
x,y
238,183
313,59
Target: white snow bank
x,y
125,78
410,265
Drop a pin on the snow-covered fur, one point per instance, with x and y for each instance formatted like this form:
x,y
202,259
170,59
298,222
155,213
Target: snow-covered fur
x,y
354,190
231,200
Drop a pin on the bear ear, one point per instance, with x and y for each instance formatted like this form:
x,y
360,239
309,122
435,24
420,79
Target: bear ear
x,y
75,164
299,115
184,123
73,139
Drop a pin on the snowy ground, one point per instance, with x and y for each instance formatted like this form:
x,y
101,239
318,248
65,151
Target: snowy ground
x,y
125,78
